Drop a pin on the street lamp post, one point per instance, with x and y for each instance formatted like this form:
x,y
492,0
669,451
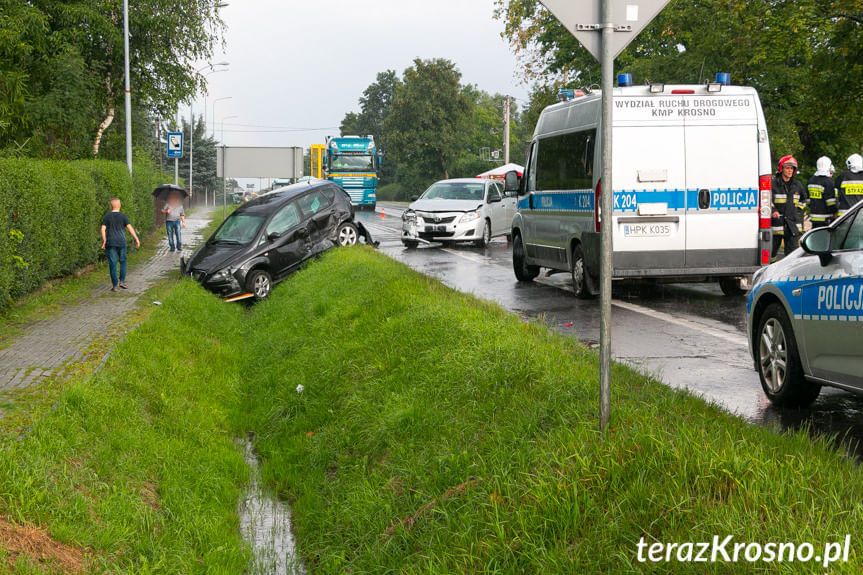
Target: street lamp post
x,y
217,100
128,89
192,126
224,171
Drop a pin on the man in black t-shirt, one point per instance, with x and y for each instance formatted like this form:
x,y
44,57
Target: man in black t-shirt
x,y
114,226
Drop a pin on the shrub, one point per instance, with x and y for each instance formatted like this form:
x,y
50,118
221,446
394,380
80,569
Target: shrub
x,y
50,213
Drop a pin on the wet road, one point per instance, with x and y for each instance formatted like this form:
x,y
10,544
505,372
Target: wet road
x,y
687,335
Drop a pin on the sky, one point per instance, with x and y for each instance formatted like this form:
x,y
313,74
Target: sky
x,y
300,66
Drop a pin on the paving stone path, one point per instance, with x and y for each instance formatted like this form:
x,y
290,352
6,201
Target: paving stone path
x,y
47,346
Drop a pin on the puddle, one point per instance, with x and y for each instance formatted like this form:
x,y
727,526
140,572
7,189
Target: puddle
x,y
265,523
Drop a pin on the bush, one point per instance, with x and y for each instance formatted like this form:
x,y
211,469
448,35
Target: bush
x,y
50,213
394,192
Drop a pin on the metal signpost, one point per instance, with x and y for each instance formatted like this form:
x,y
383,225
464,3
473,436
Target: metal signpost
x,y
605,28
175,150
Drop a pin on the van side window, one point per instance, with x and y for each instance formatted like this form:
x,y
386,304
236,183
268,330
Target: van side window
x,y
531,174
565,162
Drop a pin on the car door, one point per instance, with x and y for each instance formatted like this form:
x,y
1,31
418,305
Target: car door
x,y
317,208
288,236
494,208
509,205
832,310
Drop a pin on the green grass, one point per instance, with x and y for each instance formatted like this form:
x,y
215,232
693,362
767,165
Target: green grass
x,y
435,434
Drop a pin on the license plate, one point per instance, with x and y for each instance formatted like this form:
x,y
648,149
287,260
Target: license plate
x,y
435,229
646,230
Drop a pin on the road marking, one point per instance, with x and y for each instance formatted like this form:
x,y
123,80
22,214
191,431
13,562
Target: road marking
x,y
467,256
729,337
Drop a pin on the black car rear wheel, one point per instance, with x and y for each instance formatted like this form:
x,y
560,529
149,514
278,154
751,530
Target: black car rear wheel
x,y
259,283
347,234
523,271
778,361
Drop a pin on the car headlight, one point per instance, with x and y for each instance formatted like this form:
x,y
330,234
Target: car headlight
x,y
469,217
223,274
409,215
757,275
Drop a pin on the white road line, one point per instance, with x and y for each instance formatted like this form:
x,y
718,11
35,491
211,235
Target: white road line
x,y
467,256
729,337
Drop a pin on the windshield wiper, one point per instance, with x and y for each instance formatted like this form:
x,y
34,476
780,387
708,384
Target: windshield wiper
x,y
230,242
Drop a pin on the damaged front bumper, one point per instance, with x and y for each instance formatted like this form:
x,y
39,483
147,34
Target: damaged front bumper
x,y
441,228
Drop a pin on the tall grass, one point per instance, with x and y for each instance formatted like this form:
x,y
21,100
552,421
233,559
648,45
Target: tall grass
x,y
434,433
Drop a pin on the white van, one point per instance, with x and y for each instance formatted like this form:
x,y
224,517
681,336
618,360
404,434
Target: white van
x,y
691,173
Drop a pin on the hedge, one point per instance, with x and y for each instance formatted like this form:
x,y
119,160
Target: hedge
x,y
50,212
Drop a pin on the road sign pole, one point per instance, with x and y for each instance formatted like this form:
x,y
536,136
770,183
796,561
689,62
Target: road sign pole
x,y
607,195
176,171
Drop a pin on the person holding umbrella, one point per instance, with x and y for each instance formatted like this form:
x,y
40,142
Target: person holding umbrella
x,y
175,214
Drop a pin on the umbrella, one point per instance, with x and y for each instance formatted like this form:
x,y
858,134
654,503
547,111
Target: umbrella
x,y
165,190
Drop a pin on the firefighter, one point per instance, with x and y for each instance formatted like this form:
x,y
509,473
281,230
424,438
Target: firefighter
x,y
822,195
789,199
849,184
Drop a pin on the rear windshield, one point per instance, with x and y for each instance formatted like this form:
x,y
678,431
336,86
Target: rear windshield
x,y
455,191
238,229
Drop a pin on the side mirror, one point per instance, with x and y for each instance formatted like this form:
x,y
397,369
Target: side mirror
x,y
414,198
818,242
274,236
493,199
510,181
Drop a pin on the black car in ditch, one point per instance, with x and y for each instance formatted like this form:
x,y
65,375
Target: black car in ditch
x,y
269,237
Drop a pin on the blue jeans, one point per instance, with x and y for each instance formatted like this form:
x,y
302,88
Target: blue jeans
x,y
116,254
173,227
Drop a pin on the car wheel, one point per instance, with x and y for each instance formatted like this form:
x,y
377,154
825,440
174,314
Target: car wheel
x,y
410,244
523,271
347,234
579,274
731,286
259,283
486,236
778,361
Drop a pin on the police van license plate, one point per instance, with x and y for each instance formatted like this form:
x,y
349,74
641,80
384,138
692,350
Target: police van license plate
x,y
646,230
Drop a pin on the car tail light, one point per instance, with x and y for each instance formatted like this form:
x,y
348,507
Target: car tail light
x,y
597,219
765,257
764,210
683,91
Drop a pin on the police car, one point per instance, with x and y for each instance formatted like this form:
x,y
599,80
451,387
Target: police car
x,y
805,315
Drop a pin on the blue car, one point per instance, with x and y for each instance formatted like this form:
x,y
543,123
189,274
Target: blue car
x,y
805,315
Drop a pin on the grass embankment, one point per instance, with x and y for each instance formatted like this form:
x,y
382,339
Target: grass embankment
x,y
435,434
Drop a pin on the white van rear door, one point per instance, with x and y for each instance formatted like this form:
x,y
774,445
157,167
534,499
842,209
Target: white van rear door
x,y
722,184
649,198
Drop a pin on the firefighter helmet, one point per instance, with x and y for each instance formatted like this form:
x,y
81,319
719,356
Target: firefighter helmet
x,y
855,163
784,160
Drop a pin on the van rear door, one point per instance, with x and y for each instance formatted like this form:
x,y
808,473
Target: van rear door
x,y
649,181
722,183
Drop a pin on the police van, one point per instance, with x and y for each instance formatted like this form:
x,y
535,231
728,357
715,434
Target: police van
x,y
691,173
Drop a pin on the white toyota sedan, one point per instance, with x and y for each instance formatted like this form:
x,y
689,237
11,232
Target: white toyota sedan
x,y
805,315
460,210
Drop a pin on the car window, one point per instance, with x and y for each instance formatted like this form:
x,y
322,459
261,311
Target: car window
x,y
329,193
314,202
285,219
531,176
493,192
455,191
850,234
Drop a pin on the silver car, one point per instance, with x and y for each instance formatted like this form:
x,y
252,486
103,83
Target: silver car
x,y
459,210
805,315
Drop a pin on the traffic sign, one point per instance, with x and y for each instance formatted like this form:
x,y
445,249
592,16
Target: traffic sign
x,y
584,21
175,144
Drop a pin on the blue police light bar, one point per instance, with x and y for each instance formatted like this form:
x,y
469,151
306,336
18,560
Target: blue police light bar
x,y
723,78
624,80
565,95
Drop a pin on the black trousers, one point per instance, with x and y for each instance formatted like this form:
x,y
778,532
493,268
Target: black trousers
x,y
791,238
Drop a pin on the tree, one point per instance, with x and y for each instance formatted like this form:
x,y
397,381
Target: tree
x,y
204,160
425,128
803,57
61,66
375,106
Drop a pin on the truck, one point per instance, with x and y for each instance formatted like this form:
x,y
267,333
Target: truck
x,y
353,162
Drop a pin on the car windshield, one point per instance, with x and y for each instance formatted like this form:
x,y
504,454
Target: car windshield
x,y
238,229
349,163
454,191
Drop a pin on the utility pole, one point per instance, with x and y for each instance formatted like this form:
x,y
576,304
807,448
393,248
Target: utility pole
x,y
177,160
191,148
507,103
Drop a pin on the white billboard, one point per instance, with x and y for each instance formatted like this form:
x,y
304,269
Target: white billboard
x,y
237,162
